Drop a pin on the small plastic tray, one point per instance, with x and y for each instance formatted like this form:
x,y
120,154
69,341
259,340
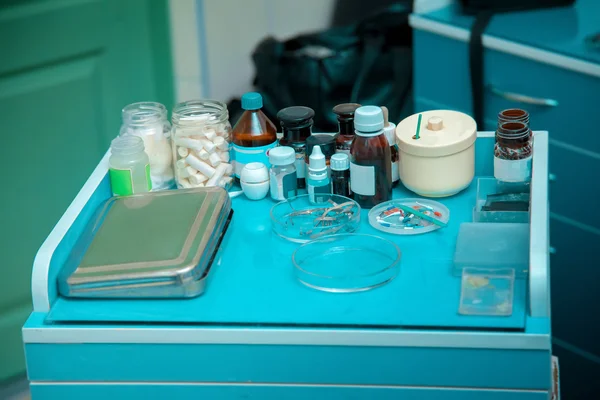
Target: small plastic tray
x,y
394,224
491,186
347,263
297,218
492,245
487,291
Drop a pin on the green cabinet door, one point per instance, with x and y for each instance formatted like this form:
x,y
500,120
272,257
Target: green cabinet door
x,y
67,67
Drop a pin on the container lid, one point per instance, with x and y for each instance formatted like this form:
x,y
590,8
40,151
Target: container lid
x,y
254,172
368,119
126,145
295,117
441,133
282,155
152,240
324,140
395,216
340,162
252,101
345,111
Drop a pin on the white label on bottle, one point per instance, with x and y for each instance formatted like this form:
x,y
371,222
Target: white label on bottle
x,y
362,179
300,166
395,172
512,170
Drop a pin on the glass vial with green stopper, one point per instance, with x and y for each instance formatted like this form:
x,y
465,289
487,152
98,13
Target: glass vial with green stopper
x,y
370,159
389,129
340,174
296,123
318,181
129,166
345,117
253,135
283,177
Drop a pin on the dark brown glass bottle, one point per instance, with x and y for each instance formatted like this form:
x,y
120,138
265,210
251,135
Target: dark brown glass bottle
x,y
253,135
370,159
296,123
345,117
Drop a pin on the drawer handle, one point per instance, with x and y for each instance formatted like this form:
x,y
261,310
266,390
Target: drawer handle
x,y
521,98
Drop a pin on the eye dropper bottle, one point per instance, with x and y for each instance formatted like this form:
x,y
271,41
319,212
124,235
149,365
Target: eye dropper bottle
x,y
318,182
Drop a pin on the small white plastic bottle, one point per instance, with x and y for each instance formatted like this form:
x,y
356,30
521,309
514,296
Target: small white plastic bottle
x,y
129,166
318,182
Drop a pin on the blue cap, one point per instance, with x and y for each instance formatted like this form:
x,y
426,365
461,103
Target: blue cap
x,y
368,119
252,101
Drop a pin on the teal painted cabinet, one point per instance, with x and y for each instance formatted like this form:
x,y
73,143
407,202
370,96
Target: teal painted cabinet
x,y
66,70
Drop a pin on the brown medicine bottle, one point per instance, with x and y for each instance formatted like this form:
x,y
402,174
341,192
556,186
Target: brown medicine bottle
x,y
345,117
253,135
370,159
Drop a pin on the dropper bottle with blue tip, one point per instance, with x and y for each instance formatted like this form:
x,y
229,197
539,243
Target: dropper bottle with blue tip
x,y
318,182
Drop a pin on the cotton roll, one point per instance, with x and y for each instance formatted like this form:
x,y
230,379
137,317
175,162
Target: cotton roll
x,y
224,156
203,154
210,134
193,144
208,145
185,183
187,172
197,179
214,159
183,151
200,165
221,143
181,164
219,172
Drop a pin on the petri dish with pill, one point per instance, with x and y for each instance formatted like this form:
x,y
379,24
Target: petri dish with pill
x,y
409,216
200,143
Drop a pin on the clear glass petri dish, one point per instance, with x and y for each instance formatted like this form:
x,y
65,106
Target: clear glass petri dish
x,y
347,263
301,220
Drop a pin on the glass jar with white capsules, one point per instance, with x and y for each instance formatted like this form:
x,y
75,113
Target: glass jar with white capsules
x,y
200,141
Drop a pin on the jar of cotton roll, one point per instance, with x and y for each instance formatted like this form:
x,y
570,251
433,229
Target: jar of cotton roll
x,y
200,141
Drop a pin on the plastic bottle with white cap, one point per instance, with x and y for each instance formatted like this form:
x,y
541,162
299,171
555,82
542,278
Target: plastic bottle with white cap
x,y
340,174
283,176
370,159
318,182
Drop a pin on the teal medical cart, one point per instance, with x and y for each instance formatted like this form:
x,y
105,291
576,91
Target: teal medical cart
x,y
258,333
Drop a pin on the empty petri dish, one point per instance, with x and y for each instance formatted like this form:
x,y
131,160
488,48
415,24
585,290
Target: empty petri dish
x,y
347,263
486,291
301,220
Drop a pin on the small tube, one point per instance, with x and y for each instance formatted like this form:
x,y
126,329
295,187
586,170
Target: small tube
x,y
214,159
203,154
208,145
197,179
193,144
183,151
200,165
224,156
219,173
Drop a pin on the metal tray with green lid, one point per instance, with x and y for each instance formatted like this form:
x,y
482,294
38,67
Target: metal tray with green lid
x,y
151,245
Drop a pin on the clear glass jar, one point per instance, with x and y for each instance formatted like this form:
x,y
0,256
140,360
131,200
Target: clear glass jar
x,y
148,120
200,138
129,166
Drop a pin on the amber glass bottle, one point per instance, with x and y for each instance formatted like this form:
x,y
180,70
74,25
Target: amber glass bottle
x,y
253,135
345,117
296,124
370,159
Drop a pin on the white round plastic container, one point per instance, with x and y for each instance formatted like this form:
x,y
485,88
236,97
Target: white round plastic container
x,y
441,161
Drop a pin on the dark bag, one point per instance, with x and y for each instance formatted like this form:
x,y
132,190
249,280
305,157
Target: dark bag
x,y
367,63
484,10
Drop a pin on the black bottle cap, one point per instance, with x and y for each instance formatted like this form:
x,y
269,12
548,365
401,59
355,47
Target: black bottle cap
x,y
296,117
326,141
345,111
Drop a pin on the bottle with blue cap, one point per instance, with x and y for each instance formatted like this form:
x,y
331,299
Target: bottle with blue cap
x,y
253,135
370,159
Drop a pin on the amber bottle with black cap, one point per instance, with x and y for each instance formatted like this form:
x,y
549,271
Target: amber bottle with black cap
x,y
345,117
296,124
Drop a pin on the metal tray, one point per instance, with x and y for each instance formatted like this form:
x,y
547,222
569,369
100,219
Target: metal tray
x,y
148,246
